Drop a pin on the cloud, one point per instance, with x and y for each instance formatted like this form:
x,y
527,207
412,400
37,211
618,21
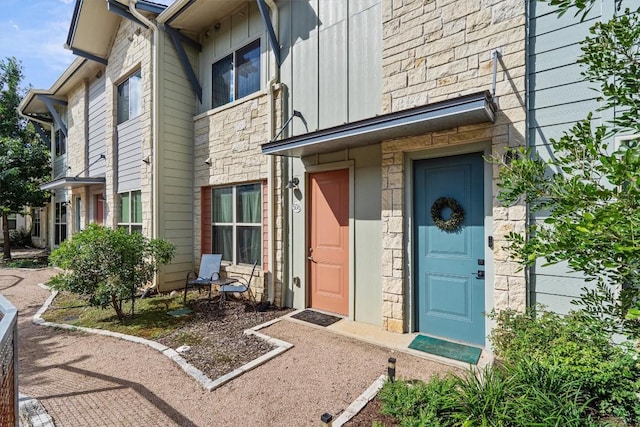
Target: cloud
x,y
38,43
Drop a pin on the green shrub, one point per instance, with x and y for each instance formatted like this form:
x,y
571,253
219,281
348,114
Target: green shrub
x,y
20,238
581,352
108,265
419,403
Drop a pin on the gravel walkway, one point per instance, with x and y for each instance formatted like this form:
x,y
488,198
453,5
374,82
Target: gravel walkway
x,y
88,380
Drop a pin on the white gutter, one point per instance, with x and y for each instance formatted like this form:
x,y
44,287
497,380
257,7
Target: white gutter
x,y
272,161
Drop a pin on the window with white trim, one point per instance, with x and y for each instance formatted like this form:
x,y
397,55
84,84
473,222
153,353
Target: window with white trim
x,y
236,214
60,228
35,230
130,97
131,211
236,75
77,207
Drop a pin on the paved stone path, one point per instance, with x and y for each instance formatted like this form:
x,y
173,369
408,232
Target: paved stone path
x,y
88,380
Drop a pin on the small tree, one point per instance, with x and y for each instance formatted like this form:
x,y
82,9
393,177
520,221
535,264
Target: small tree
x,y
590,189
107,266
24,159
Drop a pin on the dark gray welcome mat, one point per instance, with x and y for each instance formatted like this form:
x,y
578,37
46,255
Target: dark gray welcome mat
x,y
316,318
448,349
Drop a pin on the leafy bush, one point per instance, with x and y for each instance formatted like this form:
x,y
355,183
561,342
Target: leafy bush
x,y
581,351
20,238
420,404
107,266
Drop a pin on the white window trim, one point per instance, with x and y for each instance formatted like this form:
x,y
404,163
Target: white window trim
x,y
234,225
129,225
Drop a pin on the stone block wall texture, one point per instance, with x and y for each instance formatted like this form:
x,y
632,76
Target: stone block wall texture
x,y
76,149
231,137
126,57
435,50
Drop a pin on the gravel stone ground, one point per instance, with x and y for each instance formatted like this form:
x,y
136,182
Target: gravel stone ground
x,y
90,380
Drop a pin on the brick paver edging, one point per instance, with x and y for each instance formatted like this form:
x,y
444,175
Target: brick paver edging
x,y
195,373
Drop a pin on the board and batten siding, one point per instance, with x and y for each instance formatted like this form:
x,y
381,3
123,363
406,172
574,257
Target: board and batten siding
x,y
129,137
331,61
557,99
177,107
97,124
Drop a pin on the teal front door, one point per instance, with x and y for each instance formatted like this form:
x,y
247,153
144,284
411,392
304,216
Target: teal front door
x,y
449,263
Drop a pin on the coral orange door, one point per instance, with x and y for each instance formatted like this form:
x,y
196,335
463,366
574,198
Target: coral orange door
x,y
329,241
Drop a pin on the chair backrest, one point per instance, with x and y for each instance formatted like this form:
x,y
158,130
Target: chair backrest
x,y
210,266
253,273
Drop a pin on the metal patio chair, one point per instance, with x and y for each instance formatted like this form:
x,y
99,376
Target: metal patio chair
x,y
232,285
208,275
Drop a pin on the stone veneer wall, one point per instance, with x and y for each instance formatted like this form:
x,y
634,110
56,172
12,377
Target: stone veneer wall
x,y
76,149
435,50
231,136
125,58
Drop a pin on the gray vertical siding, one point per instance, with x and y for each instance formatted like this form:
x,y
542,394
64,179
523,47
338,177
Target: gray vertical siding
x,y
332,61
97,121
557,99
129,155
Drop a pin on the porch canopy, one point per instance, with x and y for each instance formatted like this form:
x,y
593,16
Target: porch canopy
x,y
464,110
71,182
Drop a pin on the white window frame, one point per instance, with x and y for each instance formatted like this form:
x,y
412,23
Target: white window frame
x,y
60,222
234,224
36,228
129,224
134,109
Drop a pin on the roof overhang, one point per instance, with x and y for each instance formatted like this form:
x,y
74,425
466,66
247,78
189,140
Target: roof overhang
x,y
198,16
464,110
71,182
33,104
93,26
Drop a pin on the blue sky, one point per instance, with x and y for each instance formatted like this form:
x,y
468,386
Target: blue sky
x,y
34,31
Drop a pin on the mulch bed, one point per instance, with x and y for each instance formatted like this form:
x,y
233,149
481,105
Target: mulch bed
x,y
370,414
216,335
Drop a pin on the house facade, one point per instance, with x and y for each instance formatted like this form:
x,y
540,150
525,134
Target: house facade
x,y
343,146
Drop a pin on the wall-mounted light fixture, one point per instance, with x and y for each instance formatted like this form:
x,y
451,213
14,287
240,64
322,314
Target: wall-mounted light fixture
x,y
208,161
217,26
292,184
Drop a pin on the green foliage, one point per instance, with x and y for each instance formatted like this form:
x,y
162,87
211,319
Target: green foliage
x,y
589,191
420,404
24,159
581,351
108,265
20,238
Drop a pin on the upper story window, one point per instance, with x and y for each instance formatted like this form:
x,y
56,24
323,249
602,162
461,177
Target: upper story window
x,y
130,97
61,143
236,75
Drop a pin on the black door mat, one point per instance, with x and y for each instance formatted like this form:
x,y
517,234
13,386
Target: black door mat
x,y
316,318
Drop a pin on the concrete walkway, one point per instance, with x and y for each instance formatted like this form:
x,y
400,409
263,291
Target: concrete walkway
x,y
88,380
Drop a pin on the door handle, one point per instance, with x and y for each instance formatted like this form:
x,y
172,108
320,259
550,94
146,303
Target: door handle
x,y
310,258
479,274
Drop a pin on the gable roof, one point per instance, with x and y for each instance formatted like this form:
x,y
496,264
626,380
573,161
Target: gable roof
x,y
94,24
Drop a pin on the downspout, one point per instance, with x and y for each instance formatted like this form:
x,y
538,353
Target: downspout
x,y
154,121
271,86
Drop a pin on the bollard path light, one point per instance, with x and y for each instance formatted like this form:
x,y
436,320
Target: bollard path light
x,y
391,369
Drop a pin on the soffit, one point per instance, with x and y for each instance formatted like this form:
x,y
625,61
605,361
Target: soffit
x,y
198,16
